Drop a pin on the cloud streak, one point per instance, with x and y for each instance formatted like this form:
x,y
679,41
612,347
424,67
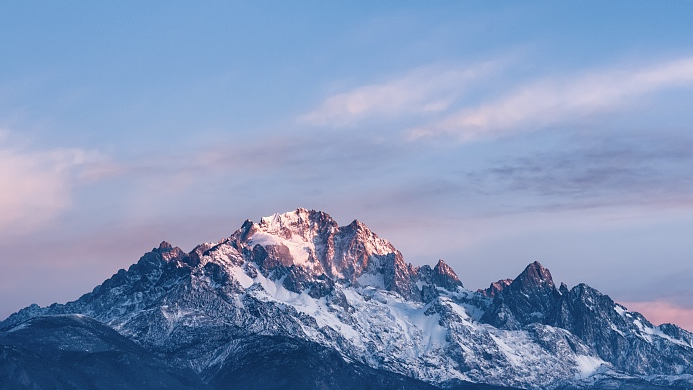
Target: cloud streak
x,y
298,157
609,170
422,91
559,100
36,185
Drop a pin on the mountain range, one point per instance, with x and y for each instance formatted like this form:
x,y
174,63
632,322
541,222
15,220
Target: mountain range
x,y
297,301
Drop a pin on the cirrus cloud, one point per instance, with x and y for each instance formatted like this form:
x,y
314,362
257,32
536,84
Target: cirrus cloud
x,y
425,90
559,100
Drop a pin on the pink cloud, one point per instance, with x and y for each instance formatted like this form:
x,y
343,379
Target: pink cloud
x,y
38,184
660,312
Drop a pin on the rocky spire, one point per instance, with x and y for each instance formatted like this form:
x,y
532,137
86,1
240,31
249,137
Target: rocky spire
x,y
535,276
445,277
496,287
165,246
530,297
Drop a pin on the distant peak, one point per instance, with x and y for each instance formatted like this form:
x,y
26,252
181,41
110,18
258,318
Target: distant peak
x,y
538,269
356,224
442,266
496,287
564,288
535,275
165,246
444,276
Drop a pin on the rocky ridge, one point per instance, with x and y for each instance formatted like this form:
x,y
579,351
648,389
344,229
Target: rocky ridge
x,y
300,276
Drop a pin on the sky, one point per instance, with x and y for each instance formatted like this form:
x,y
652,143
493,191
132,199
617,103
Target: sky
x,y
488,134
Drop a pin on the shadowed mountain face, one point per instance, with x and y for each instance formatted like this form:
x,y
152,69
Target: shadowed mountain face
x,y
530,298
77,352
625,339
282,363
312,304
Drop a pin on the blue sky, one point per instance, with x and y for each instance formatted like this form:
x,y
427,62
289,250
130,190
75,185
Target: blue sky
x,y
487,134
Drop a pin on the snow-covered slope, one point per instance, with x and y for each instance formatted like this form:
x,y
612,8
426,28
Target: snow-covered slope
x,y
300,275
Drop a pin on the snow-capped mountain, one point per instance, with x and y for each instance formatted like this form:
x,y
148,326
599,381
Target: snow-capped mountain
x,y
300,277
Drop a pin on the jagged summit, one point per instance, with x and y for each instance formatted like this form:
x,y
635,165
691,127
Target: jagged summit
x,y
301,276
308,250
533,279
444,276
496,287
300,222
312,249
530,297
534,276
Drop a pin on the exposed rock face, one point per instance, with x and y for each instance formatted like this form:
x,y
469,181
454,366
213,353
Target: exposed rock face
x,y
311,244
530,298
617,336
445,277
299,276
496,287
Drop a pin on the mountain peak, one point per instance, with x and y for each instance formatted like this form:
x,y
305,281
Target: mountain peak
x,y
535,276
313,248
298,275
530,298
297,222
441,264
167,252
444,276
496,287
356,224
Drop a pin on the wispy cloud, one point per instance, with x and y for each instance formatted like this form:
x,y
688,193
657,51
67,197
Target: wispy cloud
x,y
426,90
293,157
645,170
36,185
558,100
